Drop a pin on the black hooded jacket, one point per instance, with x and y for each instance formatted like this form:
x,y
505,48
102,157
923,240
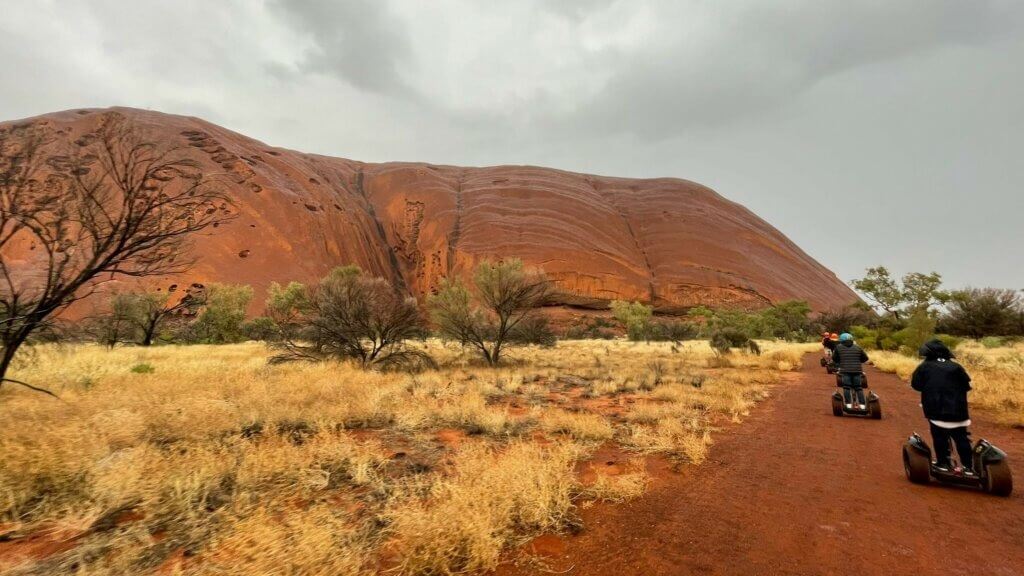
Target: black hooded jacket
x,y
943,384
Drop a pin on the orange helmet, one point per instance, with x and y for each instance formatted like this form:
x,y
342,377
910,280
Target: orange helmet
x,y
833,336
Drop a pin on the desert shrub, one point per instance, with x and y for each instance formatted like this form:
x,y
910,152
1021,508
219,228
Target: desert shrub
x,y
920,328
143,368
113,326
980,312
843,319
908,340
725,339
951,342
673,331
880,338
991,341
150,313
139,317
634,317
262,328
533,330
505,294
592,328
787,320
347,315
221,319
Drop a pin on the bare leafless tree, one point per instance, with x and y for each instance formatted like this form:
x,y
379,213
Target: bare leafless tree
x,y
118,205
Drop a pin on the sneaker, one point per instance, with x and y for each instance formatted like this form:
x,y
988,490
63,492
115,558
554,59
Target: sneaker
x,y
941,468
863,406
849,406
969,473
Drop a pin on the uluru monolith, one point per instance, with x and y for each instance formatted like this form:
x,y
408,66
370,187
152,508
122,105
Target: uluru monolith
x,y
665,241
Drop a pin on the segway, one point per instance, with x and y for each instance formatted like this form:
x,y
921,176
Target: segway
x,y
874,406
828,365
991,471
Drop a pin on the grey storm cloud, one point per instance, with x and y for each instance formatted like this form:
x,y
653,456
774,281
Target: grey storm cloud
x,y
911,111
760,57
358,41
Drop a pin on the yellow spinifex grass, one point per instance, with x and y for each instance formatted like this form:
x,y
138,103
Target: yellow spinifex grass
x,y
210,460
997,376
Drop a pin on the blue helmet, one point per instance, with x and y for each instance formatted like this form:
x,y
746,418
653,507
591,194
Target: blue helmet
x,y
845,336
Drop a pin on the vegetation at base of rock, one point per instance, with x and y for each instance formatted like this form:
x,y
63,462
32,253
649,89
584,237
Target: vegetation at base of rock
x,y
222,317
347,315
490,315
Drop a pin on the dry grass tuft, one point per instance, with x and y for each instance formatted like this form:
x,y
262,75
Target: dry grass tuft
x,y
626,485
462,523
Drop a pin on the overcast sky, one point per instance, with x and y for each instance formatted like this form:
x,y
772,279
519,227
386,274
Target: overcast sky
x,y
869,131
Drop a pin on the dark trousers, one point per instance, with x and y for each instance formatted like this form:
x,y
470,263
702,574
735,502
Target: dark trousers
x,y
960,436
853,383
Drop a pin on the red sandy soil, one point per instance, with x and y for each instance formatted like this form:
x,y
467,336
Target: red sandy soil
x,y
667,241
796,491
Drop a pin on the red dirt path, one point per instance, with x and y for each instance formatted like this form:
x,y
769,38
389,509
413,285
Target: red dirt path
x,y
797,491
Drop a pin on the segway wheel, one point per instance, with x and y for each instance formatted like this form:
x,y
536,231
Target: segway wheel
x,y
998,479
875,409
837,406
916,466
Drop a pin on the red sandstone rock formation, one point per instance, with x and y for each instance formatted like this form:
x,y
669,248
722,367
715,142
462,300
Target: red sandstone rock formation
x,y
665,241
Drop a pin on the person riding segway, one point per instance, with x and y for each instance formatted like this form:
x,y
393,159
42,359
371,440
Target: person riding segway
x,y
828,344
826,350
944,385
849,360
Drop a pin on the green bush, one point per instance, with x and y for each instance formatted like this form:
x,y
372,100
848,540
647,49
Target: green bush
x,y
787,320
220,321
143,368
504,294
634,317
979,312
951,342
992,341
725,339
920,328
866,337
347,315
533,330
260,328
673,331
592,328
